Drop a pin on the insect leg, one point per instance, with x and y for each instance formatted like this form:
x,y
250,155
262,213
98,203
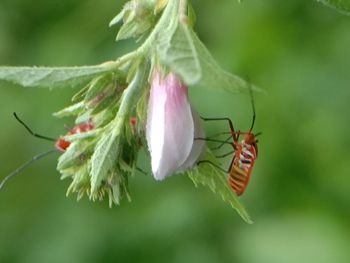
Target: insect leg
x,y
224,155
213,164
141,170
222,144
222,119
213,140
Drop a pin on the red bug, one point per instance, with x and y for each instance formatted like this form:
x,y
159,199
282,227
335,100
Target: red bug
x,y
60,145
245,154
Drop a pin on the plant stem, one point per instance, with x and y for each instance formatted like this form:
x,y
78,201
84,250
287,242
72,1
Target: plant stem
x,y
183,11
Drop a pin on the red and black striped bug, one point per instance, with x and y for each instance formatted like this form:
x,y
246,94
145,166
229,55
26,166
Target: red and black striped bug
x,y
245,153
60,144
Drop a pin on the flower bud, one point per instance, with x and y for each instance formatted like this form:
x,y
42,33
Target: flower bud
x,y
171,127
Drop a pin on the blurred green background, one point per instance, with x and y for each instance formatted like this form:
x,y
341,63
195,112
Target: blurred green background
x,y
298,51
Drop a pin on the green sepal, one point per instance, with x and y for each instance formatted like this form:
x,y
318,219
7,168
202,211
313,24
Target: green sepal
x,y
138,17
118,187
84,116
80,182
76,154
72,110
97,86
104,117
161,4
104,104
141,108
191,14
84,135
133,29
104,93
119,17
80,94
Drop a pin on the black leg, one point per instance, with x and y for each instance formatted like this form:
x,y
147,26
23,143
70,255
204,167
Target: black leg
x,y
213,140
222,119
225,155
213,164
218,134
222,144
231,164
141,170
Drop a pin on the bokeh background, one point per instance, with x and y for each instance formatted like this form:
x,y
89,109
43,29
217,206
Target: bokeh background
x,y
297,51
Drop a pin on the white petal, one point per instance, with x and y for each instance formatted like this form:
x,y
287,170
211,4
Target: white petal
x,y
198,145
170,126
156,119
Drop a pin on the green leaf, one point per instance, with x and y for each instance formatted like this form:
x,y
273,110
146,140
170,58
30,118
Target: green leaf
x,y
177,51
181,50
104,159
208,175
342,6
53,77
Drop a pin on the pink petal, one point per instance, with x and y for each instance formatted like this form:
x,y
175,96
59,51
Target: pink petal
x,y
170,127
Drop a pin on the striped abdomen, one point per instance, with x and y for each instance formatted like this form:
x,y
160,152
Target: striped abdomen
x,y
242,166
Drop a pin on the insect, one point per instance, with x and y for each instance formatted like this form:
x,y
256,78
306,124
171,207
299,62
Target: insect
x,y
60,144
245,152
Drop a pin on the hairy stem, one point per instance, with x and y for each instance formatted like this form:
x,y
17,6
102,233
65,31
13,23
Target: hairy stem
x,y
183,11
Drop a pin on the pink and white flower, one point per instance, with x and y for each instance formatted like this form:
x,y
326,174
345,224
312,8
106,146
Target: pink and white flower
x,y
172,125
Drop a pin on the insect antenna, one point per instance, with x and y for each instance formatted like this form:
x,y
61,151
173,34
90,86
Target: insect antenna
x,y
31,132
25,165
253,106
